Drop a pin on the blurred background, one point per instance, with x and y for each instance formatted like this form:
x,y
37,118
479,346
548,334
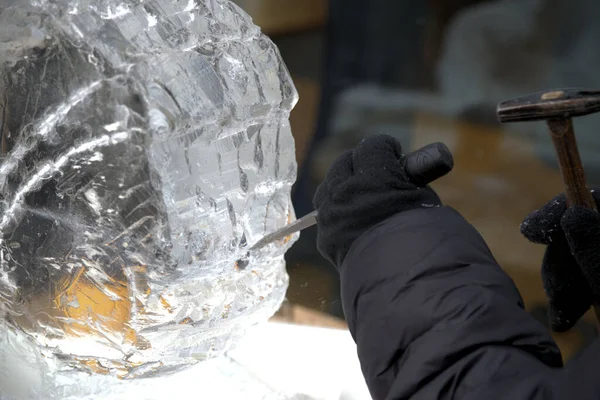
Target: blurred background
x,y
428,71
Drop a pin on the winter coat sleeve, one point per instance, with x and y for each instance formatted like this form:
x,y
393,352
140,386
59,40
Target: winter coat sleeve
x,y
435,317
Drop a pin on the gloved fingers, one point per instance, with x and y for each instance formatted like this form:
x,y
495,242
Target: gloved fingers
x,y
542,225
582,231
567,290
563,319
320,196
379,154
340,171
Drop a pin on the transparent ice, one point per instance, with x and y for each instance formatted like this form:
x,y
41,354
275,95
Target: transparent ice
x,y
144,144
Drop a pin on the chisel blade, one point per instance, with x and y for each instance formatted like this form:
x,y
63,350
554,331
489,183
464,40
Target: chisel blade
x,y
296,226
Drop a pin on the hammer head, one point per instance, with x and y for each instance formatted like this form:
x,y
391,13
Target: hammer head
x,y
560,103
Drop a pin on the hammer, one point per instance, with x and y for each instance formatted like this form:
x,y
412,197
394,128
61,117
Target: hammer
x,y
557,108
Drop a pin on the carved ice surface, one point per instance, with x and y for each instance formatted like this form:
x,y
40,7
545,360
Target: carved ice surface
x,y
144,145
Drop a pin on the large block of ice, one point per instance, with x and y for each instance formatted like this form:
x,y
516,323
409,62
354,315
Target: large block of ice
x,y
143,145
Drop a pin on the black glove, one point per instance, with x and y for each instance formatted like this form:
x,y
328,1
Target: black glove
x,y
363,187
571,264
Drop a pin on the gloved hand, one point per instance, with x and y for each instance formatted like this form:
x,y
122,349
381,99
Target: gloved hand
x,y
571,264
363,187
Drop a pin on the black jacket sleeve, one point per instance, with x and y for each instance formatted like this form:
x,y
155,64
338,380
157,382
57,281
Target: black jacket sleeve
x,y
435,317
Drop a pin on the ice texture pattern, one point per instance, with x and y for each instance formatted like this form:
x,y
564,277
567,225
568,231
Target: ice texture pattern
x,y
144,145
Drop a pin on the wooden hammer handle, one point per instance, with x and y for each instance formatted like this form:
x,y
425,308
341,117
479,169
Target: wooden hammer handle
x,y
571,169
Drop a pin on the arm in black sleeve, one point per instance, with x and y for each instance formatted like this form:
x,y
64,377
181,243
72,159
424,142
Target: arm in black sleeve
x,y
435,317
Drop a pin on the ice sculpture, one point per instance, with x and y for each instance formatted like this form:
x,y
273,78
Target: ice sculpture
x,y
144,145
